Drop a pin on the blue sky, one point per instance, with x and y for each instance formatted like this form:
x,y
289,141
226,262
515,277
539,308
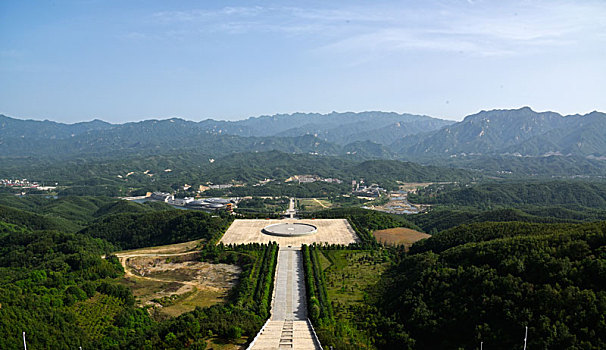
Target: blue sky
x,y
130,60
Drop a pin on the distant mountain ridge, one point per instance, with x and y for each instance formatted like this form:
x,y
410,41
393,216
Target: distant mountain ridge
x,y
46,129
339,128
332,134
513,133
518,132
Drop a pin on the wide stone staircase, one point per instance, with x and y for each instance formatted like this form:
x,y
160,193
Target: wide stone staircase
x,y
286,335
288,327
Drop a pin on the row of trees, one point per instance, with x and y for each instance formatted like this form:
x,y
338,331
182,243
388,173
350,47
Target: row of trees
x,y
256,286
318,303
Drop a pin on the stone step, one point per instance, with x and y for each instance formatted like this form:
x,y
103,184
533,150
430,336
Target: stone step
x,y
288,327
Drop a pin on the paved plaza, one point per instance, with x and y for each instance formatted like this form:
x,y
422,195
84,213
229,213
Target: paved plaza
x,y
288,326
330,231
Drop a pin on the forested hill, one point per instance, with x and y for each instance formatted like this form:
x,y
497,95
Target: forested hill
x,y
570,193
515,166
279,165
70,213
150,172
486,282
128,231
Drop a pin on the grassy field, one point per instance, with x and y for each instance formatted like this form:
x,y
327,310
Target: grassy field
x,y
313,204
348,273
399,236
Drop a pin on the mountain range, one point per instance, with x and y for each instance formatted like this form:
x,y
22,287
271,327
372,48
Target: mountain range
x,y
520,132
517,133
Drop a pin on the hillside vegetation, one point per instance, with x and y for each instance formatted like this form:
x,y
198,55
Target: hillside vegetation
x,y
169,171
57,288
129,231
487,281
70,213
567,193
516,142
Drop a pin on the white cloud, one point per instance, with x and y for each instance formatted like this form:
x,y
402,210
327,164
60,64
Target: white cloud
x,y
474,27
483,29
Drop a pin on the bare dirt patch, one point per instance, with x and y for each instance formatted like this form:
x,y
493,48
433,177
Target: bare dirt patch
x,y
172,281
412,186
164,249
400,236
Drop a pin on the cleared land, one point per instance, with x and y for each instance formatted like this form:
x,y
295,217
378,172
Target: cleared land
x,y
164,249
400,236
413,186
330,231
173,281
312,204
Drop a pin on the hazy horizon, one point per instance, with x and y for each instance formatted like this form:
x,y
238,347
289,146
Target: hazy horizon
x,y
271,115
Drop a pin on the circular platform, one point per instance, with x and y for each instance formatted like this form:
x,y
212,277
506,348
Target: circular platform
x,y
290,229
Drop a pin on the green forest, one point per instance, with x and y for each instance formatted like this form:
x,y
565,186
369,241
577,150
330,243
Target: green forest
x,y
59,282
482,280
486,282
169,171
526,254
515,193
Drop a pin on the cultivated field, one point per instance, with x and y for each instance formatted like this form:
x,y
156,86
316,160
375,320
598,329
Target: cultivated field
x,y
330,231
399,236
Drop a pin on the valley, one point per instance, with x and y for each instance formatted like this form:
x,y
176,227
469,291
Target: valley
x,y
380,253
337,175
